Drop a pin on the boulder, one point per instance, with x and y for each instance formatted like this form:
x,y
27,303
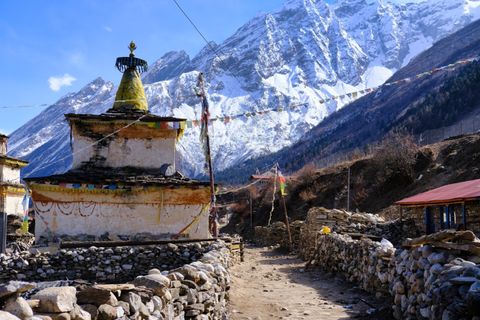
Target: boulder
x,y
125,306
157,303
156,282
54,316
15,287
79,314
96,296
115,287
4,315
33,303
18,307
134,301
56,299
90,308
154,271
107,312
473,298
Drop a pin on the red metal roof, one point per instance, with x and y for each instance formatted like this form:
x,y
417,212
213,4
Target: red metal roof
x,y
455,192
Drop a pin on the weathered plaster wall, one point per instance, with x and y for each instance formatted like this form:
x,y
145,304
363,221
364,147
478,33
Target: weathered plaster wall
x,y
139,146
119,219
3,145
123,152
12,204
161,212
10,197
8,174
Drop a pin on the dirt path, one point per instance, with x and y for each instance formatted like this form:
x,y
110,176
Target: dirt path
x,y
271,285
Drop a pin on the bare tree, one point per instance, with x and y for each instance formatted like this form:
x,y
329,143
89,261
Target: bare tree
x,y
396,155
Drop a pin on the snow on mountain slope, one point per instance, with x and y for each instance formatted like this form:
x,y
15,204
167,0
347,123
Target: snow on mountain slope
x,y
305,51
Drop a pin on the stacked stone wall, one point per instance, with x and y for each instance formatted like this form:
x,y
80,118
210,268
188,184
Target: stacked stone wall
x,y
100,264
424,282
364,262
276,234
198,290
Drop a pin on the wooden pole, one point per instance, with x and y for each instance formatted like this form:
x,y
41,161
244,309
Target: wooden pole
x,y
205,115
401,218
348,190
251,210
286,221
3,231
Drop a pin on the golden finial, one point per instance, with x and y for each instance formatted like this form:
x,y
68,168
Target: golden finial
x,y
132,48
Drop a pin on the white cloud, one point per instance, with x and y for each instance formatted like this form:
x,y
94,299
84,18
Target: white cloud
x,y
107,28
56,83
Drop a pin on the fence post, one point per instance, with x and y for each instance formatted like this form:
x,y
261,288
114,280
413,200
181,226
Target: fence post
x,y
3,231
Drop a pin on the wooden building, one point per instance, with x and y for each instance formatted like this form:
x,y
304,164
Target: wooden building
x,y
11,190
453,206
123,180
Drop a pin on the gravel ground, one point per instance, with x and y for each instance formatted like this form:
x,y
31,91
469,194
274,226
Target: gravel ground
x,y
273,285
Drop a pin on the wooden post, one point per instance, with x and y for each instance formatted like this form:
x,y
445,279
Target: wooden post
x,y
205,115
242,258
251,210
3,232
464,216
442,218
286,221
348,190
429,222
447,216
401,218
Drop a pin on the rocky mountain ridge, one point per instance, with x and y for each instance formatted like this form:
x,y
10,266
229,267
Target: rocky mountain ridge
x,y
304,52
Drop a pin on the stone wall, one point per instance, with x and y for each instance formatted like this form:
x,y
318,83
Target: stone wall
x,y
276,234
339,221
198,290
98,264
364,262
425,281
429,283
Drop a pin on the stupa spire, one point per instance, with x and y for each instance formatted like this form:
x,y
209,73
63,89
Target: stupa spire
x,y
130,95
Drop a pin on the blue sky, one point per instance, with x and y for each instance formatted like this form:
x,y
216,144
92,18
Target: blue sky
x,y
71,42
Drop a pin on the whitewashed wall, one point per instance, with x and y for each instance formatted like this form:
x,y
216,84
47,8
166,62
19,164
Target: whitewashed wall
x,y
158,211
121,152
119,219
10,175
13,204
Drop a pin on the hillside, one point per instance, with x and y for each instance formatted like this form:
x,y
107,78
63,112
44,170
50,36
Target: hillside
x,y
439,100
375,183
304,52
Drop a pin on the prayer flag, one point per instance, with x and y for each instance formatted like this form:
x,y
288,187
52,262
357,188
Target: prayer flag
x,y
25,205
282,183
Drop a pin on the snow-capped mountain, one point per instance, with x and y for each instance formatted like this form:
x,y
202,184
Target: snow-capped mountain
x,y
306,51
